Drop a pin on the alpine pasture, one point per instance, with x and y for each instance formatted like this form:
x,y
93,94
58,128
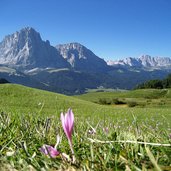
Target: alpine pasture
x,y
109,136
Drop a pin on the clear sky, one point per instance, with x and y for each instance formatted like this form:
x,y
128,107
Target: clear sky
x,y
112,29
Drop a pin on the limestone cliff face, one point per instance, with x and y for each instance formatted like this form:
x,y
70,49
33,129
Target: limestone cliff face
x,y
26,49
81,58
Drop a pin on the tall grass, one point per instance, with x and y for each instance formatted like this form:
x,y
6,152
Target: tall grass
x,y
104,137
22,136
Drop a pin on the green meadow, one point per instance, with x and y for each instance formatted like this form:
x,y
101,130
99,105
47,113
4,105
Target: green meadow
x,y
155,96
110,136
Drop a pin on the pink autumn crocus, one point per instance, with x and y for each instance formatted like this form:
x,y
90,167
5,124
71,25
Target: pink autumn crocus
x,y
68,124
49,150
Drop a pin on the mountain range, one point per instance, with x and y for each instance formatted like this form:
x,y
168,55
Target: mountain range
x,y
144,61
71,68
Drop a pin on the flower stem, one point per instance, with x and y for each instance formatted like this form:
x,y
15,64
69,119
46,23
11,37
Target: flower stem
x,y
72,150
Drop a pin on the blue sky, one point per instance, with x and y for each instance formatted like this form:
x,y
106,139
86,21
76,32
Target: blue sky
x,y
112,29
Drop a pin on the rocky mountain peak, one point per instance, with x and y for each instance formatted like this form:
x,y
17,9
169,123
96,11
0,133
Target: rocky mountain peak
x,y
26,49
25,35
73,45
81,58
72,50
149,61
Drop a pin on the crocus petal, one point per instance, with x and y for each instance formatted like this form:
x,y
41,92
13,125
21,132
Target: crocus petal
x,y
49,150
68,123
71,119
63,124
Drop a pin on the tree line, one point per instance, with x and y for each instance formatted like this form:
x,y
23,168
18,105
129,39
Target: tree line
x,y
3,81
157,84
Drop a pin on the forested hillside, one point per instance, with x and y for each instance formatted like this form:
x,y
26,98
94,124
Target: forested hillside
x,y
165,83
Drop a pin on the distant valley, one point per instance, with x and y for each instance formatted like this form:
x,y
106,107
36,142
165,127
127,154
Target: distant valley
x,y
71,68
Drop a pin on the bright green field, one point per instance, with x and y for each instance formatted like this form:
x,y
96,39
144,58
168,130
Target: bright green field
x,y
144,97
30,118
141,93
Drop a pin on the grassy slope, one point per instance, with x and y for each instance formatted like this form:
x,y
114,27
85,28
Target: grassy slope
x,y
144,124
143,97
23,100
20,99
142,93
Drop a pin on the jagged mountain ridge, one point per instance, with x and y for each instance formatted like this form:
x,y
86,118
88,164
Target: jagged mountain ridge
x,y
144,61
81,58
26,49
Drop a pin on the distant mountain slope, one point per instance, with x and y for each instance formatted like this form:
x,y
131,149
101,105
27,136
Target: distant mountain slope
x,y
15,76
25,49
82,59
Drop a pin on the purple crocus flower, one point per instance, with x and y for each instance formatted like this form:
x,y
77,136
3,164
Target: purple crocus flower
x,y
49,150
68,124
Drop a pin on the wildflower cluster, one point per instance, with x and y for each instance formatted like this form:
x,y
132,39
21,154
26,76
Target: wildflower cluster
x,y
67,124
